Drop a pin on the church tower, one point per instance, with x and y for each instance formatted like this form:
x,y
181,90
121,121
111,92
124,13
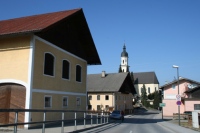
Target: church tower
x,y
124,60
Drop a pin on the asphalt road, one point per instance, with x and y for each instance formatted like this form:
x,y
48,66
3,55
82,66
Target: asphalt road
x,y
142,121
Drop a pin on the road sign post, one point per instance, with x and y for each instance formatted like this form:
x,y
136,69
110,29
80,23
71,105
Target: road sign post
x,y
162,105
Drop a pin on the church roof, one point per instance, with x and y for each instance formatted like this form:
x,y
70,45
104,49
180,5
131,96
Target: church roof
x,y
145,78
124,53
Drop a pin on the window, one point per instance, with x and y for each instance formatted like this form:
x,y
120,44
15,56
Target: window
x,y
149,90
49,64
173,86
115,97
89,107
155,88
90,97
196,106
78,101
65,69
106,97
48,101
107,107
98,107
65,101
78,73
98,97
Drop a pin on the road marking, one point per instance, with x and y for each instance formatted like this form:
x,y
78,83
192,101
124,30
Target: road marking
x,y
130,131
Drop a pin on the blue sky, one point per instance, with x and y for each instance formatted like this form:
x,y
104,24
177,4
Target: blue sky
x,y
157,33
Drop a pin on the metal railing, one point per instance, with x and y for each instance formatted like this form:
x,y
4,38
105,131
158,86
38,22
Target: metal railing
x,y
103,116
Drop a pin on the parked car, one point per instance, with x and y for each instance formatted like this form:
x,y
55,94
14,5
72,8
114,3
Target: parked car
x,y
116,114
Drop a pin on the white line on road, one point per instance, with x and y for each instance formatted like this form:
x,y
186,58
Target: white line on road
x,y
130,131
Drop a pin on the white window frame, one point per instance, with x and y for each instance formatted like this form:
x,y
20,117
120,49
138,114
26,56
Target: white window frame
x,y
78,102
99,97
50,101
64,106
54,64
81,73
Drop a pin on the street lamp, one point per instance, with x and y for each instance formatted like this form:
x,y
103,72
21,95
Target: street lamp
x,y
175,66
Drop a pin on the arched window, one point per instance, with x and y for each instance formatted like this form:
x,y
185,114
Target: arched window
x,y
65,69
49,64
78,73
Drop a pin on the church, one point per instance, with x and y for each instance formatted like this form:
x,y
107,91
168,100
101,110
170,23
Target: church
x,y
149,79
116,91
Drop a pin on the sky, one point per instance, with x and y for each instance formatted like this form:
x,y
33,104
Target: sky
x,y
157,33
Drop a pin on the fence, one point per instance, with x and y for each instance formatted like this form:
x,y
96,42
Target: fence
x,y
182,116
103,116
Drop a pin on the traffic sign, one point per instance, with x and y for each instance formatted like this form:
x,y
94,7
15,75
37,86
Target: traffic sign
x,y
178,103
178,97
162,104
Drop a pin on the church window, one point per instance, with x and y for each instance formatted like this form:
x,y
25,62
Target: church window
x,y
149,90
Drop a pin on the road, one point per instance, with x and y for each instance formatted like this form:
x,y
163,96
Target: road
x,y
143,121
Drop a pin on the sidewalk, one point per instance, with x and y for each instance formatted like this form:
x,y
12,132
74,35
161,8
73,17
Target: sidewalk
x,y
173,125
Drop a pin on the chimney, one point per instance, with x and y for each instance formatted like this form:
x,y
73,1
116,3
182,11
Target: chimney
x,y
103,75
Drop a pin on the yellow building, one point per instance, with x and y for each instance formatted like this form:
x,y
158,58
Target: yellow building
x,y
112,91
44,62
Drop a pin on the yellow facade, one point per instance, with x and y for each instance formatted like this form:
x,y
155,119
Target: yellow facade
x,y
14,53
55,86
22,61
56,82
117,101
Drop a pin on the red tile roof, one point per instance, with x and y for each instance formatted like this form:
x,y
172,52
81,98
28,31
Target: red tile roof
x,y
34,23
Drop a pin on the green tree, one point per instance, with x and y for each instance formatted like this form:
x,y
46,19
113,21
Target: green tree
x,y
151,96
157,99
144,96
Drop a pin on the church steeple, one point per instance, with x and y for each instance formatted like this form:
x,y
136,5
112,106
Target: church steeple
x,y
124,53
124,60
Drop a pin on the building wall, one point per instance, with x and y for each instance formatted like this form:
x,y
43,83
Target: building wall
x,y
102,102
55,86
123,101
170,93
189,105
56,82
117,100
152,87
14,53
171,107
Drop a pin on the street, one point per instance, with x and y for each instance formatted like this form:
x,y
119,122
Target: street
x,y
143,121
